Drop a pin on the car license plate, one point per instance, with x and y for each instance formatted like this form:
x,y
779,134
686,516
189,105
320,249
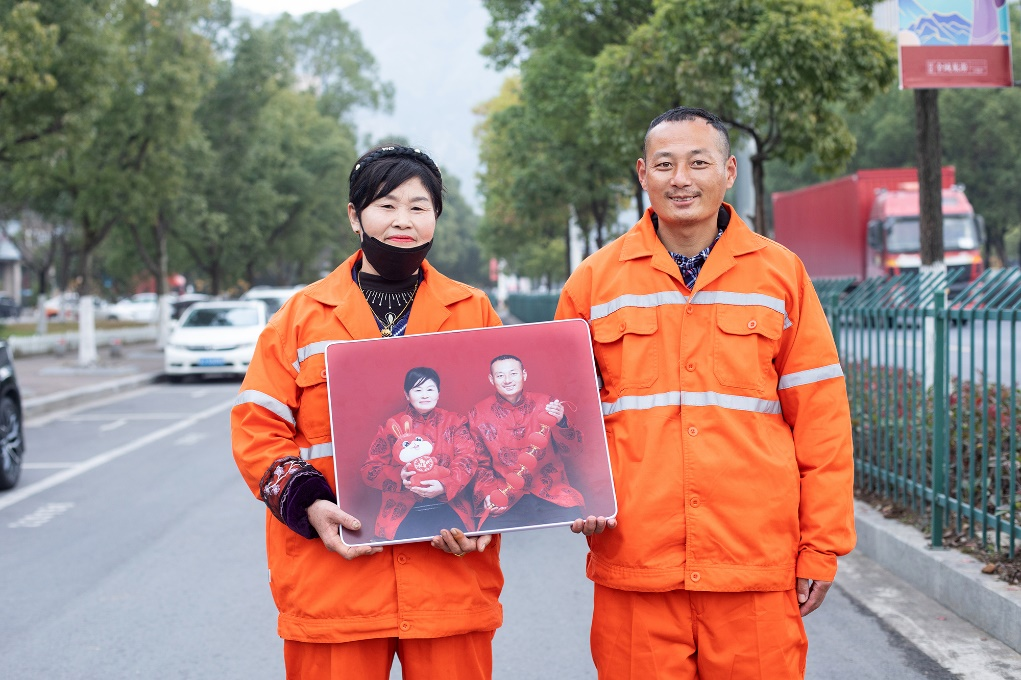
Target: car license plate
x,y
211,361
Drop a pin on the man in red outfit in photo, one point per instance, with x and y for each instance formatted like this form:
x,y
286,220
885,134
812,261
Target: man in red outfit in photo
x,y
521,439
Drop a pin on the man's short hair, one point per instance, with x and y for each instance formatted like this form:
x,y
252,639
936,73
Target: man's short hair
x,y
505,357
685,113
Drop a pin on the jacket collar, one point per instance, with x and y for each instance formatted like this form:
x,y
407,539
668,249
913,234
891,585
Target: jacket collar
x,y
428,312
738,239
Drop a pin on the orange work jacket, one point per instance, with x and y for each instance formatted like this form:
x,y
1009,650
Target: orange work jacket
x,y
410,590
726,416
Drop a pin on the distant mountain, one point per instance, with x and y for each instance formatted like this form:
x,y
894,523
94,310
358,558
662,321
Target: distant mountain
x,y
943,29
910,12
430,52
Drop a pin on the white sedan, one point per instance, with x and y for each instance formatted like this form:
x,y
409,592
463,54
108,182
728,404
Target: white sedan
x,y
214,338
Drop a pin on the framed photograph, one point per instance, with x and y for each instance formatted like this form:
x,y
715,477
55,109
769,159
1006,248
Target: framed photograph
x,y
486,430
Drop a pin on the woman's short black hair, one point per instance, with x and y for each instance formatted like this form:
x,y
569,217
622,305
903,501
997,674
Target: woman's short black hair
x,y
384,168
419,375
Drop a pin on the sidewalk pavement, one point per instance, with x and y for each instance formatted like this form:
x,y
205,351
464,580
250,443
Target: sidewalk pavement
x,y
50,382
953,579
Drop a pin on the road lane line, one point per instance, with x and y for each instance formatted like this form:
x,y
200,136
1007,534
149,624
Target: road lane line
x,y
19,495
46,466
121,422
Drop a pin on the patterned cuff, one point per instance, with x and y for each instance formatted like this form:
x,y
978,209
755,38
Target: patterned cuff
x,y
289,487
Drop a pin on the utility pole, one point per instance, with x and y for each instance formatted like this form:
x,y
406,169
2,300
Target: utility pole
x,y
930,179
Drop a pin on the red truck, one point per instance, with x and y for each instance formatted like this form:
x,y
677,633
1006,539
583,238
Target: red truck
x,y
866,224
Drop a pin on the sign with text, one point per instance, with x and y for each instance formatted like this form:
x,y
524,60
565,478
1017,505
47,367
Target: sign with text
x,y
954,43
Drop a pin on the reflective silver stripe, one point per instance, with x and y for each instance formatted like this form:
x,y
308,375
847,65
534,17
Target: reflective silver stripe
x,y
810,376
651,300
274,406
716,297
728,401
310,351
317,451
705,297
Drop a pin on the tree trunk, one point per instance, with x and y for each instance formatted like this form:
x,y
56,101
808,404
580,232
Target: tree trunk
x,y
639,195
930,175
758,182
567,250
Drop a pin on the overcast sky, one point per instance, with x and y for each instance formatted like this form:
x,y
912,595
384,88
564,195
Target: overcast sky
x,y
292,6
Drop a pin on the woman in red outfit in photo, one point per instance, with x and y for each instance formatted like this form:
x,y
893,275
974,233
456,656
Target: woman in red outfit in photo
x,y
414,507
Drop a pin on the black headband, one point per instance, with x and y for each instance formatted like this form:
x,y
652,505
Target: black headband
x,y
402,151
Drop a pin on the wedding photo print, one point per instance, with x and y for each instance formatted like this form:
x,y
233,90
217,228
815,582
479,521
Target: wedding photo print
x,y
487,430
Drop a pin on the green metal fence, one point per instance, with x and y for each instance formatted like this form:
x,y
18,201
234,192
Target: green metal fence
x,y
933,388
532,307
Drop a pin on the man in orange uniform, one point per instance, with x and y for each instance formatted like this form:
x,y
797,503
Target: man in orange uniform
x,y
728,425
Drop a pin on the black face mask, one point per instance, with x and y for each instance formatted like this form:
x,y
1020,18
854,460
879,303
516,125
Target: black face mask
x,y
393,263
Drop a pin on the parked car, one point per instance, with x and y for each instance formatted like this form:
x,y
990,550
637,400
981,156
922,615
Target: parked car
x,y
12,440
62,305
9,308
141,307
215,338
273,297
183,302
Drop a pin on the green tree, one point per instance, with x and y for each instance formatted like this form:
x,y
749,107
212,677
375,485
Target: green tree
x,y
777,71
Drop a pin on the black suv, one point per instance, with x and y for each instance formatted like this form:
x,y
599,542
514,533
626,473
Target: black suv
x,y
12,440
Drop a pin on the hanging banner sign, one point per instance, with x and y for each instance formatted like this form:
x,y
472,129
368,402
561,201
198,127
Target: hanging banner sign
x,y
954,43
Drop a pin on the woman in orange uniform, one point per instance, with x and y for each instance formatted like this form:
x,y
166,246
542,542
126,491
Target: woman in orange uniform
x,y
345,611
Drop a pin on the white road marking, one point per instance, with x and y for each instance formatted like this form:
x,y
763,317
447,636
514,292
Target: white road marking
x,y
41,516
19,495
120,422
46,466
190,439
198,394
102,417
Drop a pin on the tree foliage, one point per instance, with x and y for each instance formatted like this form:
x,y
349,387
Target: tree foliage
x,y
212,148
779,72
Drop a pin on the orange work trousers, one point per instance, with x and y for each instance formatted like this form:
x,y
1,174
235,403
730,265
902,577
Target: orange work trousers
x,y
458,657
686,635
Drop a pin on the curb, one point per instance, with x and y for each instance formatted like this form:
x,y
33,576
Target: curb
x,y
949,576
38,406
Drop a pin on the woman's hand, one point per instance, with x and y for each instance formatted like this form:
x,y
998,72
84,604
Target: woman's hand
x,y
327,518
494,509
430,488
456,543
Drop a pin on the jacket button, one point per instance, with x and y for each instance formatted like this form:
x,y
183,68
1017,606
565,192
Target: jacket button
x,y
693,431
690,367
622,326
695,502
753,323
405,625
323,374
690,309
694,576
403,559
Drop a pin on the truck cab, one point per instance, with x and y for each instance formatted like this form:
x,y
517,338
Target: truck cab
x,y
894,243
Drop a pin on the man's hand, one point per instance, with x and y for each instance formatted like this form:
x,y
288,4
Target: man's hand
x,y
327,518
430,488
593,525
556,409
811,596
456,543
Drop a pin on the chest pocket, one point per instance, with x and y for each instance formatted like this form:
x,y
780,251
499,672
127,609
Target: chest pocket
x,y
313,416
626,349
745,343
